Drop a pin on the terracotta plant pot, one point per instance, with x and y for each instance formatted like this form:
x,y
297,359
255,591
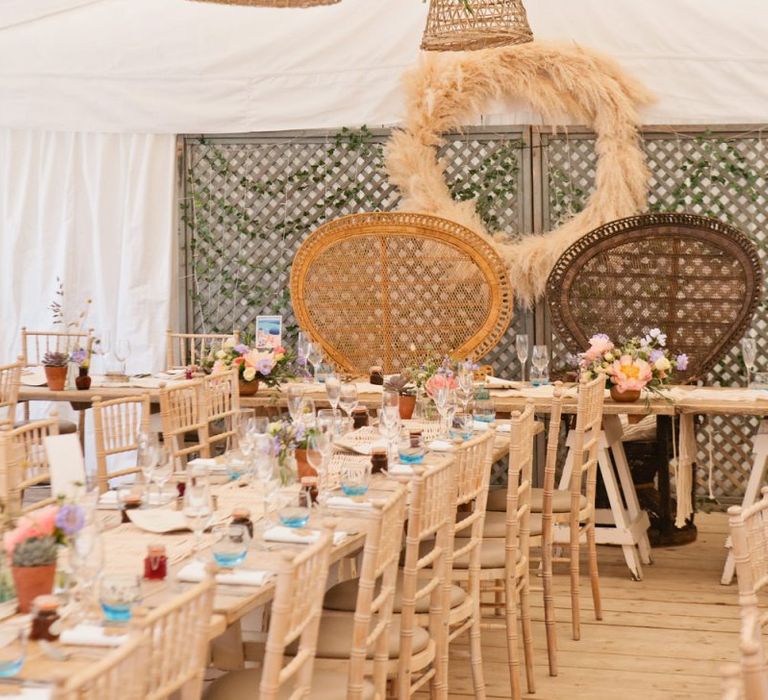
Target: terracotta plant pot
x,y
407,405
83,380
56,378
32,581
629,396
249,388
303,467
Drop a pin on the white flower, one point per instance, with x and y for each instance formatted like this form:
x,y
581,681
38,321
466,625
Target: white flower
x,y
662,339
249,374
608,357
230,342
662,364
221,354
654,333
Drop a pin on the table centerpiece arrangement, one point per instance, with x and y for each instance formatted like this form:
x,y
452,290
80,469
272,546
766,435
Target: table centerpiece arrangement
x,y
639,363
268,366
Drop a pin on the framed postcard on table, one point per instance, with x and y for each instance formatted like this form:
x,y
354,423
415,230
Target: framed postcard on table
x,y
269,331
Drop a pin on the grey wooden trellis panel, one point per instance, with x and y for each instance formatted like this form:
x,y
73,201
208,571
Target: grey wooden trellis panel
x,y
718,172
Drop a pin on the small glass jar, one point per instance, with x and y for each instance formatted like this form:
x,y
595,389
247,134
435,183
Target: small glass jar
x,y
359,417
45,609
377,376
242,516
155,563
379,460
411,449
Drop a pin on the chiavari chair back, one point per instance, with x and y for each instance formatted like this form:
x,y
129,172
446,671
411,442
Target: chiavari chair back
x,y
294,620
118,676
748,679
222,395
10,380
117,425
177,638
184,415
35,344
186,349
24,464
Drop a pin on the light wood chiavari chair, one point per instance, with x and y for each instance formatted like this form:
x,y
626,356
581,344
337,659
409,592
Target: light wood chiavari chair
x,y
748,679
294,618
511,582
10,380
177,638
185,349
34,344
24,463
184,415
368,631
222,395
116,427
118,676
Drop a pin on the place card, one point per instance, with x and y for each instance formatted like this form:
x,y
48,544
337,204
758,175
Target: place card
x,y
347,503
194,572
66,464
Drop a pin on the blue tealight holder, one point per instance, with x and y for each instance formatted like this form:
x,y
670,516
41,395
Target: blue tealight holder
x,y
117,612
294,516
229,560
354,489
11,667
411,457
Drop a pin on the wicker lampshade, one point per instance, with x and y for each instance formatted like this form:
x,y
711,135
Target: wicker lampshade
x,y
274,3
467,25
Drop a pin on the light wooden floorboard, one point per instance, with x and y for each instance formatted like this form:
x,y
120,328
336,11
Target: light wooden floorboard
x,y
661,638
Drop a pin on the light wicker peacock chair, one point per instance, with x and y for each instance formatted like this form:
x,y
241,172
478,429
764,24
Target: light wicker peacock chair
x,y
697,279
390,289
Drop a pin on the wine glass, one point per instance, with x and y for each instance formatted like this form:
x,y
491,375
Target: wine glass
x,y
121,351
540,359
333,390
315,357
326,421
198,507
749,353
147,455
389,427
86,558
302,347
348,398
390,398
162,471
319,448
294,396
465,388
307,411
521,348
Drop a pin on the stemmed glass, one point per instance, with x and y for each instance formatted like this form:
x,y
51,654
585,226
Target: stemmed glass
x,y
147,455
162,471
302,351
294,396
333,390
307,411
121,351
315,356
198,507
348,398
389,427
86,557
319,448
264,468
540,359
749,353
444,397
465,388
521,348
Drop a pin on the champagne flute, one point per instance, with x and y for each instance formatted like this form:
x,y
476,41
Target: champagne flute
x,y
521,348
294,396
443,397
86,557
162,471
302,348
540,359
465,388
389,427
198,508
147,455
348,398
333,390
319,447
749,353
315,357
307,411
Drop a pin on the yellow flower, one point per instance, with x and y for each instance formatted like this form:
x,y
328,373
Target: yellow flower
x,y
249,374
221,354
663,364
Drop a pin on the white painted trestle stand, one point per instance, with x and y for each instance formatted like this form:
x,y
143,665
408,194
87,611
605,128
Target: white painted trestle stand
x,y
624,523
756,476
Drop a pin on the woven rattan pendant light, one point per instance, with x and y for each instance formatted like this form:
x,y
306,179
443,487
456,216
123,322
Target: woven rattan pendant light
x,y
467,25
274,3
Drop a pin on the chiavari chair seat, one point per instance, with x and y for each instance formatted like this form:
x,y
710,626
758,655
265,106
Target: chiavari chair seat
x,y
496,525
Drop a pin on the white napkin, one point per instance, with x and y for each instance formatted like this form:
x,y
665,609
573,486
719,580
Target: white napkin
x,y
158,520
145,382
85,635
481,426
362,448
290,535
212,465
498,383
368,388
712,394
32,692
108,499
400,469
440,446
348,503
33,376
171,374
194,572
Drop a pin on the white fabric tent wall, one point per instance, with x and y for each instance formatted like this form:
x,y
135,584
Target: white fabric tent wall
x,y
97,211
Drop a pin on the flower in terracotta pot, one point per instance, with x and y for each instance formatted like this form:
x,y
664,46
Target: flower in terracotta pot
x,y
55,365
31,548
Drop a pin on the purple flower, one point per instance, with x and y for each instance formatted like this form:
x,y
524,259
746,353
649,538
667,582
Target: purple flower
x,y
70,519
78,356
241,349
655,355
681,362
264,365
299,434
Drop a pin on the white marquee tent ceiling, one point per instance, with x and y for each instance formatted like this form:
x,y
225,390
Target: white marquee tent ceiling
x,y
170,66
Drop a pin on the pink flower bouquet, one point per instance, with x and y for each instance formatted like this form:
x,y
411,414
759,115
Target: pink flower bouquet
x,y
270,366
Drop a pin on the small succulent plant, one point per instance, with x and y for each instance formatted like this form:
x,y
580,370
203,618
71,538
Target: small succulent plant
x,y
35,551
55,359
399,383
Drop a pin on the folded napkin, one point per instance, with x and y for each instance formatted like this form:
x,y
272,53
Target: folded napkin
x,y
194,572
27,691
440,446
85,635
145,382
291,535
348,503
498,383
400,469
33,376
213,465
362,448
108,499
481,426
